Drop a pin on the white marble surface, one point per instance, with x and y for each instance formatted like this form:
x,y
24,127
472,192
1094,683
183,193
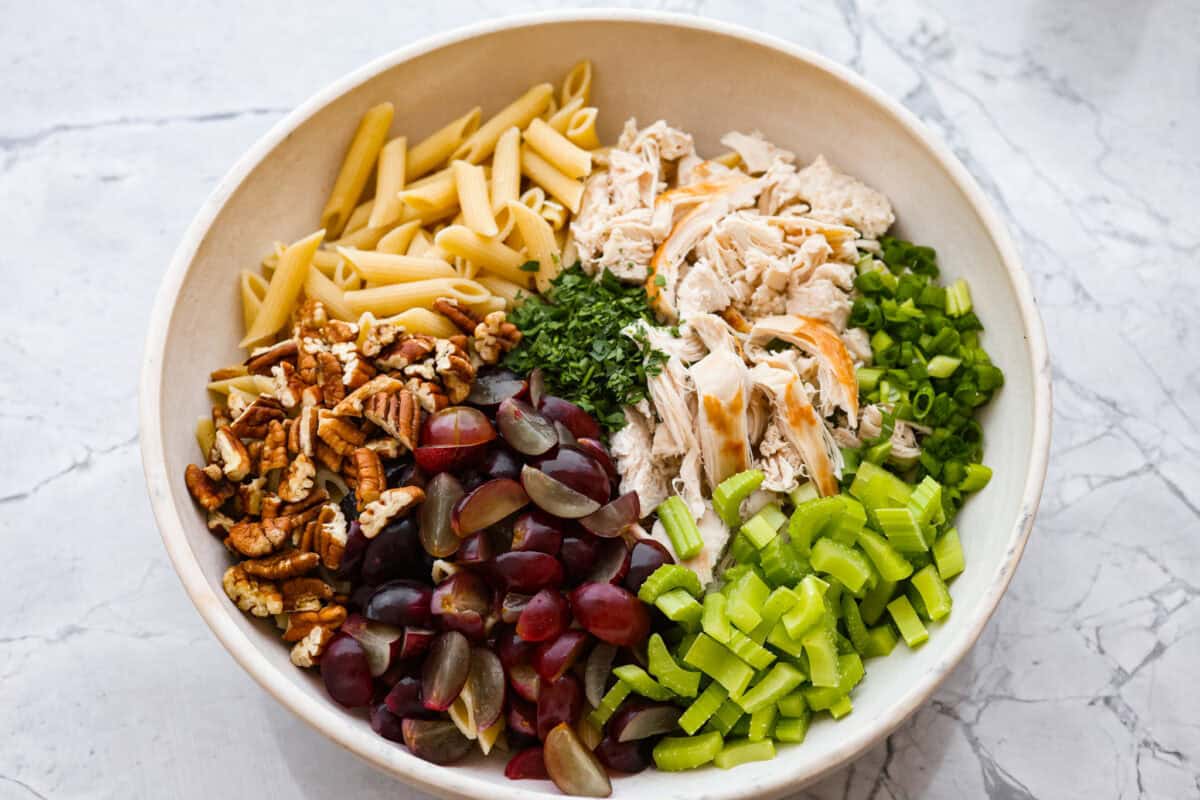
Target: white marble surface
x,y
1079,119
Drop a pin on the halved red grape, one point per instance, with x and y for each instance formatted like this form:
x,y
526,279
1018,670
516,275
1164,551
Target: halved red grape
x,y
537,530
487,505
545,616
537,386
629,757
597,670
527,765
442,493
445,671
552,659
416,642
345,671
527,570
578,554
525,430
386,724
511,648
456,426
356,547
598,451
501,462
556,497
462,602
403,473
522,716
612,562
565,437
616,517
577,470
485,683
572,766
611,614
646,556
560,701
491,387
435,740
475,549
513,605
394,553
404,699
641,720
400,603
525,681
579,422
381,643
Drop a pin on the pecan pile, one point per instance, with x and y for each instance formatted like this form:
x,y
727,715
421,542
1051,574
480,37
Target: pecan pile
x,y
344,397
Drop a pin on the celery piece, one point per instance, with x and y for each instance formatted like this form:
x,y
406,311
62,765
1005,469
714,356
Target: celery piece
x,y
610,703
728,496
877,454
842,707
851,667
868,378
741,728
726,716
809,520
948,554
977,477
780,563
803,493
715,661
731,574
681,528
933,592
820,698
880,341
942,366
681,607
676,753
820,647
855,627
641,682
781,640
958,298
773,514
669,577
702,708
781,680
743,550
792,705
882,639
876,600
917,602
891,565
713,619
744,599
792,729
844,527
846,564
809,607
749,650
683,682
907,621
850,672
902,529
778,603
762,723
743,751
764,526
926,502
875,487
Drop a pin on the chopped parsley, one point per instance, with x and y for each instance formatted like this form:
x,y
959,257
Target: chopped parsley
x,y
530,266
574,334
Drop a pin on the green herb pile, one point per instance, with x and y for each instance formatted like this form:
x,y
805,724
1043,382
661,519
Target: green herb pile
x,y
574,334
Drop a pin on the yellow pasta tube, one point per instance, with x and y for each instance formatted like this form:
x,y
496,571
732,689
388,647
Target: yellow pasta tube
x,y
562,118
399,238
363,238
484,252
572,161
345,276
577,83
397,297
206,435
421,244
506,169
358,217
283,290
424,321
511,292
540,245
519,113
250,384
554,213
472,190
435,150
356,168
318,287
581,129
436,195
384,268
569,192
389,180
253,289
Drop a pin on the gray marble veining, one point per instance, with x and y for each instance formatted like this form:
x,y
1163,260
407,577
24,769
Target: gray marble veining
x,y
1078,117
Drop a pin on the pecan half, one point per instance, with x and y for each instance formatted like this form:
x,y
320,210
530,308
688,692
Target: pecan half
x,y
386,447
462,317
256,538
357,372
263,359
494,337
311,317
328,458
290,563
274,452
250,496
391,504
309,649
224,373
398,414
209,493
309,507
455,370
306,362
430,396
255,420
368,472
341,435
297,480
235,460
329,378
300,623
328,536
352,405
338,331
304,594
258,597
287,385
379,336
409,349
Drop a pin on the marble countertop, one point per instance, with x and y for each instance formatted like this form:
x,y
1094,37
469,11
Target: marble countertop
x,y
1078,117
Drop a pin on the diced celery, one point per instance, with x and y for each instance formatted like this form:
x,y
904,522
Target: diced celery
x,y
842,707
792,729
732,573
781,680
902,529
762,722
641,682
780,563
808,609
844,527
726,716
749,650
666,578
704,706
958,298
803,493
891,565
820,648
781,640
743,751
942,366
855,626
868,378
877,454
778,603
851,667
610,703
880,341
676,753
728,496
741,728
743,550
948,554
977,477
809,520
876,600
744,599
882,641
713,619
933,592
759,531
683,682
680,527
820,698
846,564
681,607
792,705
875,487
717,662
907,621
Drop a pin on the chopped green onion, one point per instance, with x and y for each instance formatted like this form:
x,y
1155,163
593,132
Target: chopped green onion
x,y
942,366
933,592
667,578
881,341
906,619
792,729
890,564
681,607
713,619
948,554
704,706
809,520
868,378
681,527
846,564
746,596
809,607
641,682
902,529
725,717
714,660
762,723
821,649
780,681
792,705
728,496
878,453
977,477
744,751
749,650
683,682
610,703
882,641
676,753
958,298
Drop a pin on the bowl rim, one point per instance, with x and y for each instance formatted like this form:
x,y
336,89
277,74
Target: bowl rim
x,y
384,755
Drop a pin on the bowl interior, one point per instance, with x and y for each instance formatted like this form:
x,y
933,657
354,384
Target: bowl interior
x,y
705,82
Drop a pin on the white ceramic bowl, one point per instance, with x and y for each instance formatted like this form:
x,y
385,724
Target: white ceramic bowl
x,y
704,77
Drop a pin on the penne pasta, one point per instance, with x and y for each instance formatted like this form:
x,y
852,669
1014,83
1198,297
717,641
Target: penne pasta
x,y
434,151
533,198
389,180
345,276
577,83
358,217
511,292
283,290
384,300
493,303
421,243
484,252
562,119
206,436
520,113
569,192
435,195
581,130
554,213
253,289
363,238
506,169
504,225
319,287
250,384
567,158
385,268
356,168
472,189
424,321
399,238
540,246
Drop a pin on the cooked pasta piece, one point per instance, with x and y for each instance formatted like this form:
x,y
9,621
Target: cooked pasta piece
x,y
363,238
397,297
398,238
434,151
554,213
345,276
504,225
420,245
318,287
472,189
562,119
356,168
485,252
424,321
384,268
438,194
251,384
511,292
253,288
506,169
358,217
540,246
567,158
581,129
283,289
519,113
578,83
389,180
206,436
543,173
